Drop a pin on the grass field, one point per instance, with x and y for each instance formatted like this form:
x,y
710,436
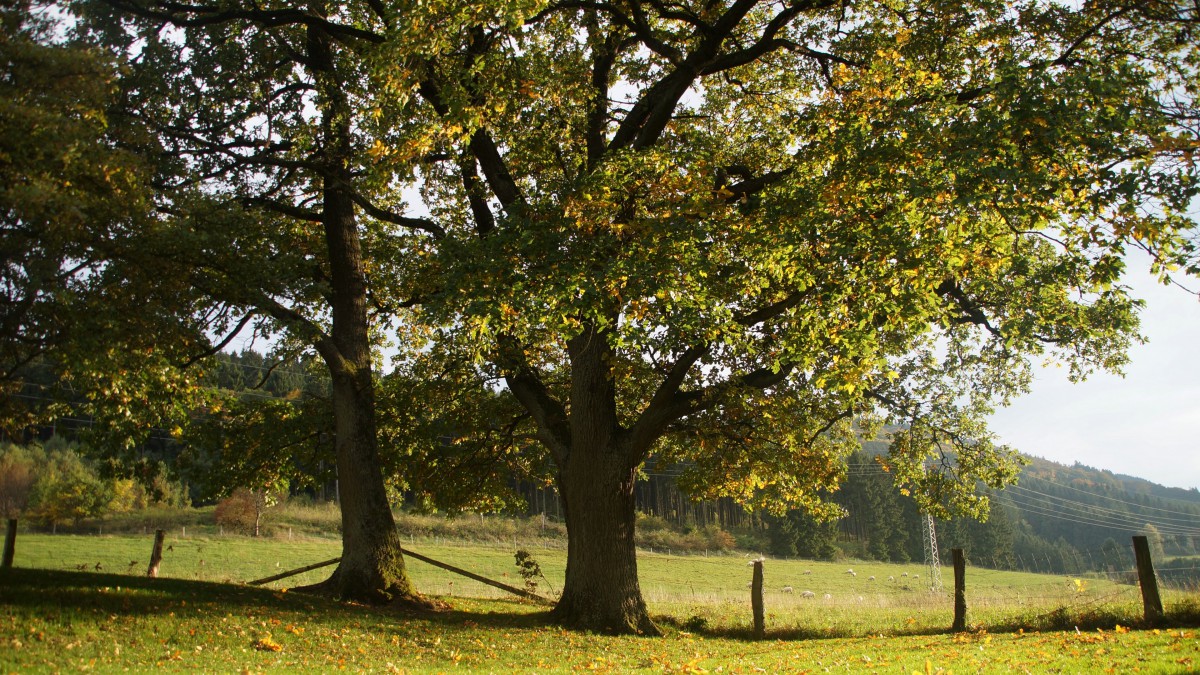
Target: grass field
x,y
57,617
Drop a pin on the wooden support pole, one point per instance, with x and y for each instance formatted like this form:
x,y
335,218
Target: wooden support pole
x,y
292,573
1151,602
756,600
960,590
156,554
483,580
436,563
10,544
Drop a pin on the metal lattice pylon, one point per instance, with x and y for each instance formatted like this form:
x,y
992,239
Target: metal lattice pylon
x,y
932,560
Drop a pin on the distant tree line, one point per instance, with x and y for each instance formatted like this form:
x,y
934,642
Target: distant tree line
x,y
53,484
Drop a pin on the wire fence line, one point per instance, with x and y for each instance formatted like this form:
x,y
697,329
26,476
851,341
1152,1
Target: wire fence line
x,y
798,592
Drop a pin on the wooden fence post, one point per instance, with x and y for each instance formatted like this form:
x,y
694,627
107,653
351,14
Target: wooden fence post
x,y
1151,602
156,554
10,544
756,600
960,590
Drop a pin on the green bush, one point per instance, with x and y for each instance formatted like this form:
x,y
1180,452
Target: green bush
x,y
66,489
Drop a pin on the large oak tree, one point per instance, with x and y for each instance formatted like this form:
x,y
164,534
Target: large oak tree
x,y
271,210
738,234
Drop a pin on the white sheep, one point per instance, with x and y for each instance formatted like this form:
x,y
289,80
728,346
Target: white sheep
x,y
860,598
853,573
891,578
828,596
916,576
808,594
871,578
808,571
850,571
905,574
787,589
749,584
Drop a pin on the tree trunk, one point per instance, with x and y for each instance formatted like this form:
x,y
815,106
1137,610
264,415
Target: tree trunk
x,y
372,566
601,592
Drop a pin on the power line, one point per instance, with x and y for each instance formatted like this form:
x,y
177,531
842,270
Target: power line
x,y
1085,517
1186,520
1122,501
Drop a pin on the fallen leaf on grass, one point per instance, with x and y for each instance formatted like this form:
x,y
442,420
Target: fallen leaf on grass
x,y
266,644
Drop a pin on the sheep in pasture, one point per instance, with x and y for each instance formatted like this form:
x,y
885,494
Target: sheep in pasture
x,y
871,578
808,571
891,578
808,594
828,596
787,589
905,574
850,571
916,576
749,584
860,598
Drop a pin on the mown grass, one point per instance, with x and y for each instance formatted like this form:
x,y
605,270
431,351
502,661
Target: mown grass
x,y
701,592
55,620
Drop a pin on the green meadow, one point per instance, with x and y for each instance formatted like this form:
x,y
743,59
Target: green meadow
x,y
77,603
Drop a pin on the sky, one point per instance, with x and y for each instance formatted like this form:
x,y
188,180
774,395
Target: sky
x,y
1146,424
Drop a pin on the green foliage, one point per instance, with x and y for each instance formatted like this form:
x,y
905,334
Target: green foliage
x,y
236,441
55,483
18,472
75,305
529,569
656,533
67,489
449,432
766,243
1155,539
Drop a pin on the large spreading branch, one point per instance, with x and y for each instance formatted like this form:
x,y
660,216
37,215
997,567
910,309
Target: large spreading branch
x,y
527,384
185,15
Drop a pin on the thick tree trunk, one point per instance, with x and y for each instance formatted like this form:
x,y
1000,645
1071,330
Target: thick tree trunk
x,y
372,566
601,592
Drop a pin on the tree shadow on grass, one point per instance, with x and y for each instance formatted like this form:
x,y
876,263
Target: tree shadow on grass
x,y
128,595
1183,614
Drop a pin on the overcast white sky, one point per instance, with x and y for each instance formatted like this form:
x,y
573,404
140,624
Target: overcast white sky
x,y
1146,424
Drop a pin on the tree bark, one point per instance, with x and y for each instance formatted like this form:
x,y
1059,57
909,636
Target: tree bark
x,y
601,592
372,567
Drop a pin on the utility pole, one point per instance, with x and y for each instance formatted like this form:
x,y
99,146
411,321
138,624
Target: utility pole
x,y
932,561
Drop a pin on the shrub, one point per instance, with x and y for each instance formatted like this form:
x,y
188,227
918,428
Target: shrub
x,y
244,509
67,489
18,467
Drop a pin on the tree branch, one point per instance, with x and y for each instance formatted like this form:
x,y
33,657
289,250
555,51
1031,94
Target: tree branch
x,y
423,224
527,385
223,343
186,15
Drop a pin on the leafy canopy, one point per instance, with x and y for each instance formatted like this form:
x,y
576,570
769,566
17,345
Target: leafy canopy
x,y
783,224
